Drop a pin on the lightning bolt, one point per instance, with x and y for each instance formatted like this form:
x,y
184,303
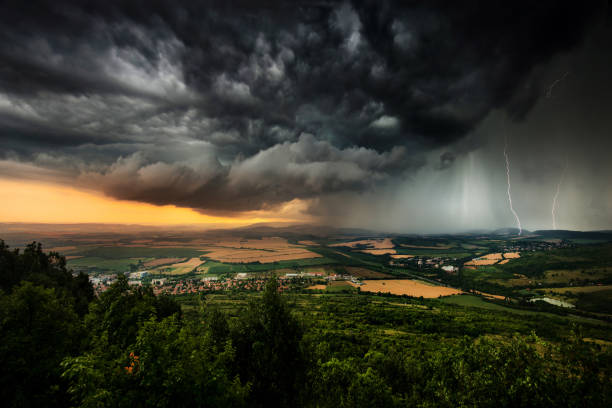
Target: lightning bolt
x,y
555,82
518,221
556,196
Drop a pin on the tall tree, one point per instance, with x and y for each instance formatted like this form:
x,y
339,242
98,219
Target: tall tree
x,y
268,341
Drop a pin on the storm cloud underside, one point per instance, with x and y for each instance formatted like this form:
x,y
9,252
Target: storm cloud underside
x,y
227,107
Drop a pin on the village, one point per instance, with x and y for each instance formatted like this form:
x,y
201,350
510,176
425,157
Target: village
x,y
241,281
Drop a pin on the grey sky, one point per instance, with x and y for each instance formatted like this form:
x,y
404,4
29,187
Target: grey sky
x,y
376,114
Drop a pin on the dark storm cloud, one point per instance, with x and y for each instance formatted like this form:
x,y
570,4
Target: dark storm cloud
x,y
446,160
240,105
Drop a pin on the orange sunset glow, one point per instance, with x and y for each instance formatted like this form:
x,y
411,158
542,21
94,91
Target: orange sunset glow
x,y
30,201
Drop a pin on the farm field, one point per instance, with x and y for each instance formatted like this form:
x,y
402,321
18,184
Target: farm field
x,y
439,246
407,287
181,268
378,251
448,253
581,289
317,287
102,264
499,266
478,301
266,250
122,252
364,273
485,260
235,255
340,287
384,243
161,261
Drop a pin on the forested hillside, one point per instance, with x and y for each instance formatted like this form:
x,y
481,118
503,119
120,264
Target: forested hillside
x,y
61,346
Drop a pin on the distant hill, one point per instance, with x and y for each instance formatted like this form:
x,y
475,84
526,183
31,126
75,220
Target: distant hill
x,y
566,234
40,231
509,231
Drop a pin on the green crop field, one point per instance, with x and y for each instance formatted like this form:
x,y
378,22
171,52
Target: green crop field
x,y
102,264
340,287
119,252
225,268
460,253
478,301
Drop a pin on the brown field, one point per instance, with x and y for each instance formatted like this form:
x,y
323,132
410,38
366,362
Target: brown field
x,y
566,275
495,256
69,257
369,243
308,243
557,276
407,287
488,295
317,287
231,255
341,283
269,243
202,269
365,273
427,247
182,268
517,281
504,261
62,249
96,240
488,259
264,250
162,261
402,256
378,251
481,262
580,289
317,270
512,255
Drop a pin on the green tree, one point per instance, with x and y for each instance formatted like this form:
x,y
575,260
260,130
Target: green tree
x,y
38,329
169,365
269,354
115,317
342,384
48,270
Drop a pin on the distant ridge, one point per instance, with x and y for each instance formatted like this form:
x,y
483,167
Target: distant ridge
x,y
509,231
281,229
567,234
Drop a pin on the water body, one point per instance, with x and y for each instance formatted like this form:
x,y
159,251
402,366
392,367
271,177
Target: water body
x,y
555,302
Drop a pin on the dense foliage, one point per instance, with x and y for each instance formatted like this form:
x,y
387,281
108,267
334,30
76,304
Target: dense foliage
x,y
588,256
131,348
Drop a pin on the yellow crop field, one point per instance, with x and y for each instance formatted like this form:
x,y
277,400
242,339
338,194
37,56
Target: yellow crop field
x,y
488,259
384,243
182,268
264,250
378,251
407,287
162,261
308,243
